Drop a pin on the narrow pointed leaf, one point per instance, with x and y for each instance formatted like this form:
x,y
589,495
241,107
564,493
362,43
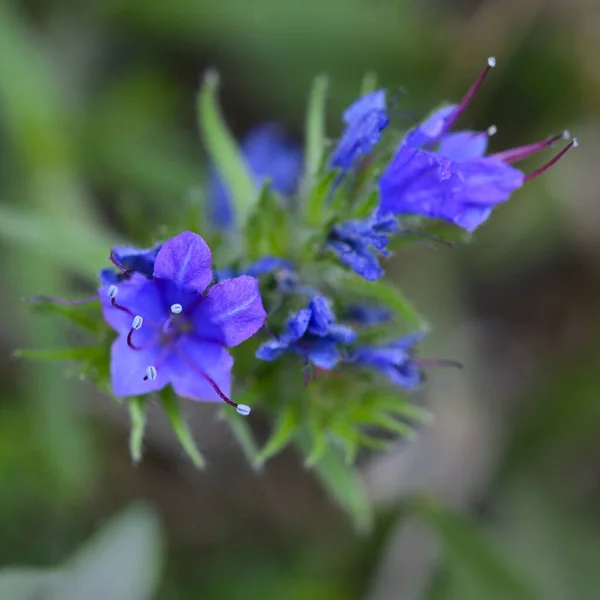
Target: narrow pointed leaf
x,y
343,484
137,414
315,128
281,436
242,432
223,150
180,428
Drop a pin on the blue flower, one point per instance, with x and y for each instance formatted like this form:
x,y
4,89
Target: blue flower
x,y
365,314
365,121
171,331
447,176
268,154
394,360
313,334
129,260
358,242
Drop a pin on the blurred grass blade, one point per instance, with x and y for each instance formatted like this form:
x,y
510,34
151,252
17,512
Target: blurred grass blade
x,y
223,150
343,484
315,129
473,557
284,431
180,428
121,562
137,414
320,194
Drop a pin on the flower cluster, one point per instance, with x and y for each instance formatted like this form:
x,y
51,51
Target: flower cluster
x,y
317,253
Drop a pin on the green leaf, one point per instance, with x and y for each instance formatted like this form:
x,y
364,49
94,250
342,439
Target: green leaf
x,y
223,150
318,445
367,205
473,558
343,484
315,129
137,414
384,293
180,428
317,200
242,432
121,562
285,428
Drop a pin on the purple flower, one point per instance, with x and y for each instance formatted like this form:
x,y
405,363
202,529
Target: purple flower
x,y
268,154
129,260
365,120
311,333
172,332
357,243
394,360
447,176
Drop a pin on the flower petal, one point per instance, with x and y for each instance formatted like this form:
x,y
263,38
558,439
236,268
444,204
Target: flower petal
x,y
128,368
193,358
138,295
364,105
430,130
231,312
463,145
185,261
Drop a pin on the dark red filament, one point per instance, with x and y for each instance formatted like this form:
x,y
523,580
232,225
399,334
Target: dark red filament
x,y
551,162
131,344
522,152
119,307
467,98
119,266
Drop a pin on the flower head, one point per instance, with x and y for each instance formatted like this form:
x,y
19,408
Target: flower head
x,y
268,154
357,243
262,266
311,333
447,176
365,121
129,260
366,314
171,331
394,360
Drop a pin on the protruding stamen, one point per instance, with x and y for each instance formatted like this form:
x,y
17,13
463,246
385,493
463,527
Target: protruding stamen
x,y
175,310
522,152
492,130
216,388
491,63
113,290
117,264
150,373
137,323
572,144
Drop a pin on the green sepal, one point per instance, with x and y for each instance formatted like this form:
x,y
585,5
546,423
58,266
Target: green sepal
x,y
242,432
285,429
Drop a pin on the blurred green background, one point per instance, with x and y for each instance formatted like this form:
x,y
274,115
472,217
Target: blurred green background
x,y
498,498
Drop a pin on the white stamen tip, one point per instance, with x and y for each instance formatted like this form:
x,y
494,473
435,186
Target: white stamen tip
x,y
492,61
566,135
176,308
113,290
137,322
492,130
575,142
151,373
243,409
